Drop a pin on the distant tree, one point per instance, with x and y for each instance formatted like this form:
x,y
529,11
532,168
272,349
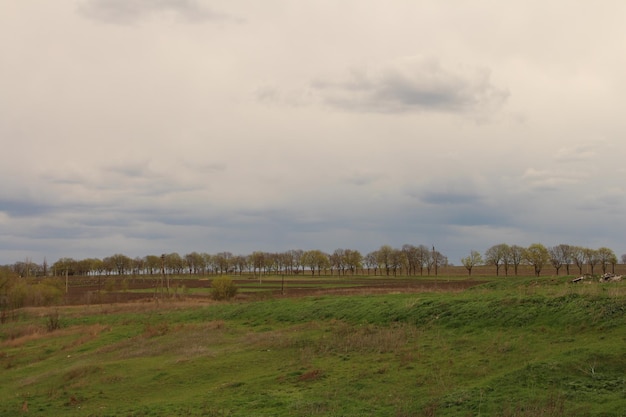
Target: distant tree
x,y
578,257
606,256
564,253
624,258
337,261
537,255
316,259
223,261
121,263
26,268
296,256
397,261
174,263
516,256
412,258
496,255
555,258
257,260
591,258
472,260
64,266
384,258
353,260
138,265
194,262
323,262
371,262
436,260
240,263
423,258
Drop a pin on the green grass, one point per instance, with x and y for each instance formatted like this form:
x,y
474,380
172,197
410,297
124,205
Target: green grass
x,y
512,347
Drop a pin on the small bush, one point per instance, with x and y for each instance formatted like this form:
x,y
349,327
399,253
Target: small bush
x,y
53,322
223,288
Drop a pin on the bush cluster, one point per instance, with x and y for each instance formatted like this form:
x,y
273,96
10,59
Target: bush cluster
x,y
223,288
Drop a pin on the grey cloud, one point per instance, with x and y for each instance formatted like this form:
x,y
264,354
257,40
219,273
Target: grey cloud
x,y
131,11
413,85
130,169
363,179
448,198
23,208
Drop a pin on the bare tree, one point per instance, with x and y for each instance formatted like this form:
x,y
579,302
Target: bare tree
x,y
397,261
591,258
371,262
337,261
384,258
496,254
412,258
556,258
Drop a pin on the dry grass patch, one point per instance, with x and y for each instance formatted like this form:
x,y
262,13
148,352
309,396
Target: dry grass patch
x,y
183,341
31,333
347,338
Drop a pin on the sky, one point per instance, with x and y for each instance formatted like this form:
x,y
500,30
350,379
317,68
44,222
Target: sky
x,y
144,127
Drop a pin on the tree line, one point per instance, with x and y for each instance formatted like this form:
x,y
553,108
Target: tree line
x,y
386,260
538,256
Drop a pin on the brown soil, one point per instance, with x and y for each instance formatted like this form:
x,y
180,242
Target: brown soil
x,y
92,290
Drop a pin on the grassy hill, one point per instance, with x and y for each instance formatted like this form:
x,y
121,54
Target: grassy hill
x,y
512,347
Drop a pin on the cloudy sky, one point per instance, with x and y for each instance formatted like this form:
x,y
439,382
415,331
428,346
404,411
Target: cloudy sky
x,y
157,126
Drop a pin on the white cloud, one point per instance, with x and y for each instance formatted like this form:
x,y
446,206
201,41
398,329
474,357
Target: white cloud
x,y
552,180
577,153
413,84
408,85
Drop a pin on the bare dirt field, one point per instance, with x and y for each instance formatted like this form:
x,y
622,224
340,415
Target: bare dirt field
x,y
98,291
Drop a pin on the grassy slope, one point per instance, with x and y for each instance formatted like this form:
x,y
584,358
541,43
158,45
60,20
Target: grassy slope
x,y
518,347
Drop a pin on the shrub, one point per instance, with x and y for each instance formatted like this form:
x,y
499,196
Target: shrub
x,y
223,288
53,322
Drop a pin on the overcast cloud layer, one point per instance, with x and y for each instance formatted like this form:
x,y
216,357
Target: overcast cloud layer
x,y
157,126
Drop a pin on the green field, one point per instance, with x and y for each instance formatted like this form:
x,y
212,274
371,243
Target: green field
x,y
511,347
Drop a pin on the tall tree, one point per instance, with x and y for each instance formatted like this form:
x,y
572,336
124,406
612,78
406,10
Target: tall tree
x,y
423,258
397,261
591,258
516,256
496,254
337,261
412,258
555,258
384,258
537,255
605,257
578,257
471,261
353,260
371,262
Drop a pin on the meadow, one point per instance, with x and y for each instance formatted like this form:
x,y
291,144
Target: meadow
x,y
516,346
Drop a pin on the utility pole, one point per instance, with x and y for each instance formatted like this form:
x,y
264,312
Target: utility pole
x,y
435,260
162,272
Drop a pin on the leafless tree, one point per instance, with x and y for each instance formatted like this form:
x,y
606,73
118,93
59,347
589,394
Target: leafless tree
x,y
496,255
